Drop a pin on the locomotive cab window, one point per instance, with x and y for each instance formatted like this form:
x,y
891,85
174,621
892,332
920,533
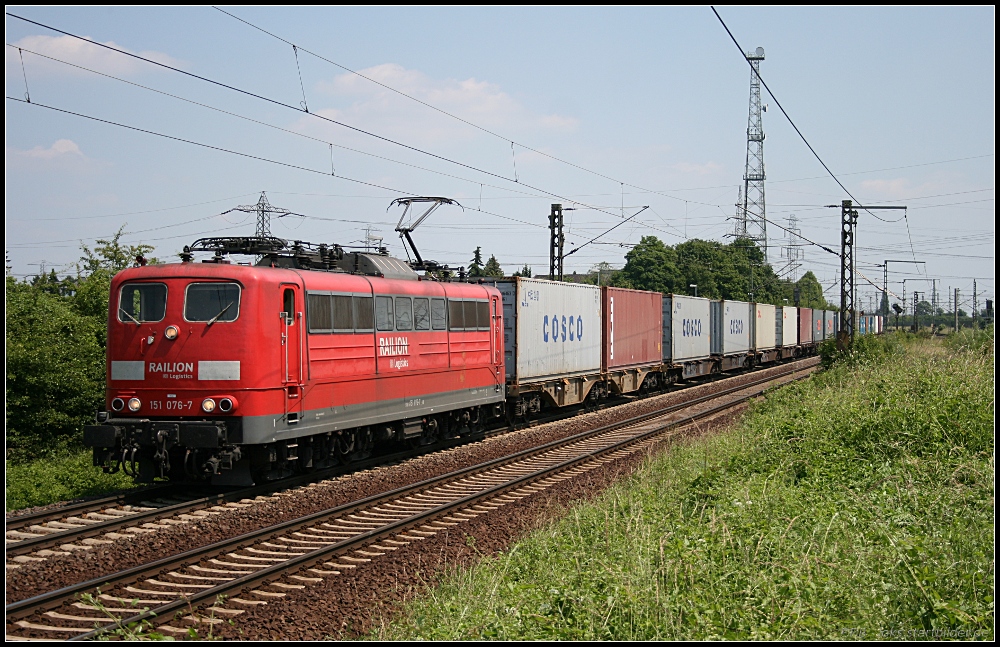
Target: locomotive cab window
x,y
212,302
141,302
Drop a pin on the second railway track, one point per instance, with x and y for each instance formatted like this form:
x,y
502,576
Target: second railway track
x,y
265,565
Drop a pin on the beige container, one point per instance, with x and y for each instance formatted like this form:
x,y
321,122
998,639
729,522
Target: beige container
x,y
764,326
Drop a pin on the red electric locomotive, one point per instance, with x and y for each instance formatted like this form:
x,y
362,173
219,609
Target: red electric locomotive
x,y
309,356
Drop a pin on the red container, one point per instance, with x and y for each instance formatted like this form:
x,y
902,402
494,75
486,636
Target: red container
x,y
633,328
805,325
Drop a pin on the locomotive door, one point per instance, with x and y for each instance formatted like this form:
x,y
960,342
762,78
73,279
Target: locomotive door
x,y
291,349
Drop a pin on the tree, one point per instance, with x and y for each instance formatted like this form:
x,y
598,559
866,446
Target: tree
x,y
96,269
811,292
524,271
476,266
883,306
56,334
493,268
651,265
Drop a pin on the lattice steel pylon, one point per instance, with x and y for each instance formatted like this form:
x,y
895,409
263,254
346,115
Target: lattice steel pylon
x,y
753,213
793,250
263,209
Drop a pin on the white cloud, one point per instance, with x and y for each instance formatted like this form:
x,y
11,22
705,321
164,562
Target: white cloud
x,y
59,148
62,155
78,52
699,169
368,105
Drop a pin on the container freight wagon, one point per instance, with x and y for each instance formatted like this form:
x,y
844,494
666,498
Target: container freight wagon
x,y
805,327
830,325
732,329
765,337
632,338
787,320
552,342
687,334
817,327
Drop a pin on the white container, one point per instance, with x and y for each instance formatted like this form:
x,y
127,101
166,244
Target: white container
x,y
764,326
551,329
732,326
789,326
687,331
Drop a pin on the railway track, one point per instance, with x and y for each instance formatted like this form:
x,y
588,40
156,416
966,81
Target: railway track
x,y
83,525
265,565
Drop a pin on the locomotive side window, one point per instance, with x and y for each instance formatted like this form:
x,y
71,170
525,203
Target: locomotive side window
x,y
318,313
212,302
383,313
439,314
470,315
421,314
456,315
142,302
483,314
343,315
363,314
404,313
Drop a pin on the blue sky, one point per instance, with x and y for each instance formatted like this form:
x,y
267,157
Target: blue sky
x,y
898,101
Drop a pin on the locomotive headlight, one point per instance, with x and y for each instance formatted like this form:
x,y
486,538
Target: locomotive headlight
x,y
208,405
171,332
226,405
134,404
117,404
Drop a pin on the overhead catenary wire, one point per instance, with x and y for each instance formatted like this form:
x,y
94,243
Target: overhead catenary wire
x,y
272,126
499,136
247,155
301,110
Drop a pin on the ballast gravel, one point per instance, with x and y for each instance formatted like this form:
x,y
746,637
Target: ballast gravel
x,y
134,549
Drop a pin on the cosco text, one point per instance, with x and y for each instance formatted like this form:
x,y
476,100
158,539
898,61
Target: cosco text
x,y
562,328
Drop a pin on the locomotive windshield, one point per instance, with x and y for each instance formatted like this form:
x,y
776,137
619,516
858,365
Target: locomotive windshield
x,y
141,302
211,302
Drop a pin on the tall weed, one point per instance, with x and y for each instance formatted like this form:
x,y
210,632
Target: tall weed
x,y
855,505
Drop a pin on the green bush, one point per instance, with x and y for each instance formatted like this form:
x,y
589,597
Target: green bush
x,y
55,372
58,478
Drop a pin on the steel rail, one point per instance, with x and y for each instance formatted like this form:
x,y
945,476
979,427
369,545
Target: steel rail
x,y
58,597
98,528
52,540
166,611
131,497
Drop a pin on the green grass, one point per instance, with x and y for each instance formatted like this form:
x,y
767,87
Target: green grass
x,y
65,476
857,504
